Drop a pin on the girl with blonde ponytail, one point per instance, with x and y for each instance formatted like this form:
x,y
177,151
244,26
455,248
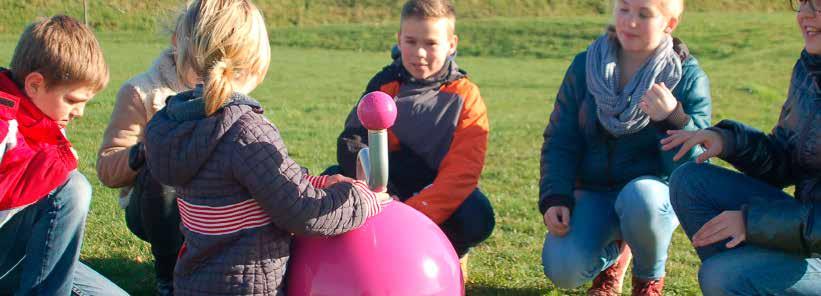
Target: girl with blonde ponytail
x,y
240,196
226,44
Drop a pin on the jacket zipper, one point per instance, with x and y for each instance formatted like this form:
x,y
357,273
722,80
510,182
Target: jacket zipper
x,y
609,162
803,145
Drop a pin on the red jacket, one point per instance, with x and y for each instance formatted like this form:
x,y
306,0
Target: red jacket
x,y
39,159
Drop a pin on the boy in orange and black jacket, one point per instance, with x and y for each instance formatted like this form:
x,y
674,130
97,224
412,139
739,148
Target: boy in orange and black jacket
x,y
438,144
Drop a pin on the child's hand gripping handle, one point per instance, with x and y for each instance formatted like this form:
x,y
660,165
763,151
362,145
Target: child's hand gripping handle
x,y
377,112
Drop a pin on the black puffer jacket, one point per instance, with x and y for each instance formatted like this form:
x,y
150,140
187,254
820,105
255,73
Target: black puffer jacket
x,y
790,155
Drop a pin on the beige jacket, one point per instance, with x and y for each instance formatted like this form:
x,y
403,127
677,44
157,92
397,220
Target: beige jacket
x,y
137,101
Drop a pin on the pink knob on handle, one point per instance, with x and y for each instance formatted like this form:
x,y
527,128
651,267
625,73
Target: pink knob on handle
x,y
376,111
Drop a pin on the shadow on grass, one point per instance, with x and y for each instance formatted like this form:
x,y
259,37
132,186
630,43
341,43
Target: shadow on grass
x,y
133,277
138,279
481,290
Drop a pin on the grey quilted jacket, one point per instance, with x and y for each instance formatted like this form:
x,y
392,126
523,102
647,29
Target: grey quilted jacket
x,y
241,197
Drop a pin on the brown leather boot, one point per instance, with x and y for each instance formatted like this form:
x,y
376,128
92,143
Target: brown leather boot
x,y
648,287
609,282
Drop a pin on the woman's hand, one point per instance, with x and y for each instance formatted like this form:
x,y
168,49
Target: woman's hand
x,y
557,220
729,224
658,102
687,139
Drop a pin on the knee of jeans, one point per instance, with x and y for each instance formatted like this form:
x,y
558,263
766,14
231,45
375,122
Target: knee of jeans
x,y
76,193
681,184
487,218
480,219
685,185
564,268
642,199
681,175
716,279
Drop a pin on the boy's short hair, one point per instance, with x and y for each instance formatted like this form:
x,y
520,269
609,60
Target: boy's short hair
x,y
63,50
429,9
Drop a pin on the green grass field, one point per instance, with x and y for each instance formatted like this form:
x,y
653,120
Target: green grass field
x,y
149,15
318,72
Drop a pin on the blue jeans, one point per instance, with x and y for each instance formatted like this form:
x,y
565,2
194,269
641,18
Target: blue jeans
x,y
700,192
40,245
640,214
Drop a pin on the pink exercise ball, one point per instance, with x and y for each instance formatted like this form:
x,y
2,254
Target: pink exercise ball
x,y
397,252
376,111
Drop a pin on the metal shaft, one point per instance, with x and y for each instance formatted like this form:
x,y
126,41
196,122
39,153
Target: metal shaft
x,y
378,144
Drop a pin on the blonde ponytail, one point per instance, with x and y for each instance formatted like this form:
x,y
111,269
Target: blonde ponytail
x,y
226,44
218,85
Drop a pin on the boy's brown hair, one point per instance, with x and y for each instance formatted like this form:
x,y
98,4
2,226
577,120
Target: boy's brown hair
x,y
429,9
63,50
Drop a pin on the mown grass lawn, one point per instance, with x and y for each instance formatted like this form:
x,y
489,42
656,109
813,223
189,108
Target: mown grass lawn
x,y
518,64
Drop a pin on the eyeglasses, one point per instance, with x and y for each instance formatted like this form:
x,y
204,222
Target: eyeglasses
x,y
814,5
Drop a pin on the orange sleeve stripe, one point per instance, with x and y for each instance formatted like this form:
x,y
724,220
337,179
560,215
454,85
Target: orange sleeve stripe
x,y
392,89
461,168
393,141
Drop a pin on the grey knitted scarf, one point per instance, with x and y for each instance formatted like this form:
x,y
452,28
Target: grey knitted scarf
x,y
619,112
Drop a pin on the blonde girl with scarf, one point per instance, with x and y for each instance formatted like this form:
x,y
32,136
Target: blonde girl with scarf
x,y
603,187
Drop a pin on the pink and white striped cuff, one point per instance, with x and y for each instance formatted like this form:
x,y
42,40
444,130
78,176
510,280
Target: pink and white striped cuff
x,y
369,200
319,182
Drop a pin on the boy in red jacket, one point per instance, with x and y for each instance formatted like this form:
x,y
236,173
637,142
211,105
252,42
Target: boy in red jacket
x,y
56,69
